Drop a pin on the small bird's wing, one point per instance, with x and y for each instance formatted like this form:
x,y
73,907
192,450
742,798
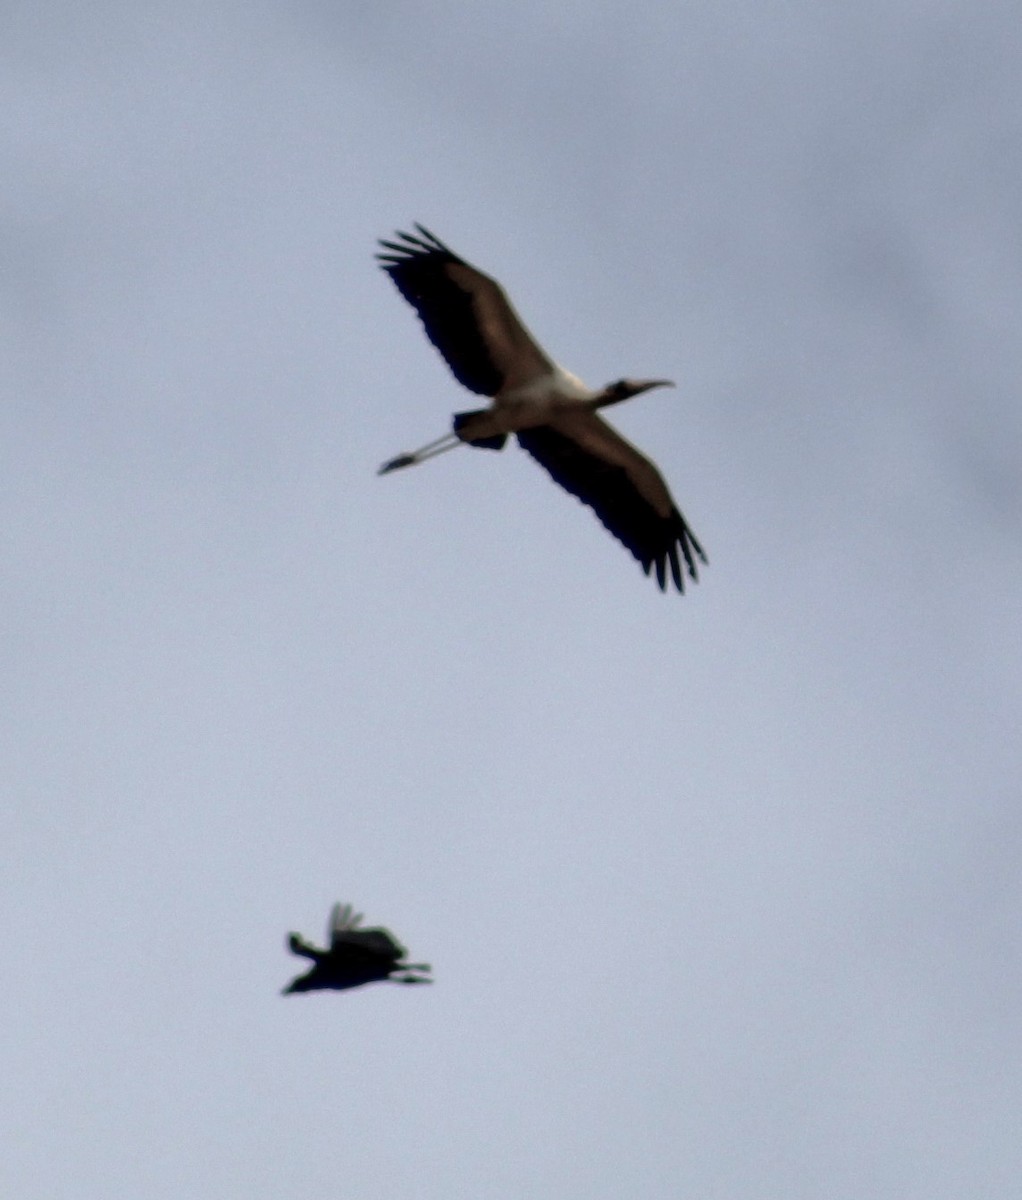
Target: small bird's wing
x,y
626,491
345,936
466,315
377,942
342,918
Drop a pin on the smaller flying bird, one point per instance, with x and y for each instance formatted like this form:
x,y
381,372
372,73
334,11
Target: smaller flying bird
x,y
355,956
469,319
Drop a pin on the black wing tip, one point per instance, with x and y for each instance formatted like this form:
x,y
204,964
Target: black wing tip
x,y
691,551
411,246
429,235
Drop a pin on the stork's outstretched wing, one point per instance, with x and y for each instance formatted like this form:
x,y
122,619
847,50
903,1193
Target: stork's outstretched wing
x,y
595,463
466,315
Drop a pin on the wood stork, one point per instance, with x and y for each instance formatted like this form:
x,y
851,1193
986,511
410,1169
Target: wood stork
x,y
354,957
469,319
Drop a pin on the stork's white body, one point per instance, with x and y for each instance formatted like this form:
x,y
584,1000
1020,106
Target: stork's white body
x,y
539,401
557,389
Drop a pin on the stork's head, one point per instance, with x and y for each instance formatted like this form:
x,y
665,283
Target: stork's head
x,y
625,389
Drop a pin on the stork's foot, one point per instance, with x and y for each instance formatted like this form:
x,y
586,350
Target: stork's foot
x,y
395,464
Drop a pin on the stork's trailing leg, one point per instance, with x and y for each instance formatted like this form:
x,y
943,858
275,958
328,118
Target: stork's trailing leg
x,y
430,450
471,428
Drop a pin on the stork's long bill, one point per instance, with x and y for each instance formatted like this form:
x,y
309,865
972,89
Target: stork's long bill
x,y
551,412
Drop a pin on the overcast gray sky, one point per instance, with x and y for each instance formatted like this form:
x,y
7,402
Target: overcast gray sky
x,y
721,892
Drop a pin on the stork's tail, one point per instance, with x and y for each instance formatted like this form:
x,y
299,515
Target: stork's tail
x,y
465,420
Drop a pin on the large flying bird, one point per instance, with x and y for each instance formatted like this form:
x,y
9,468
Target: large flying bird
x,y
469,319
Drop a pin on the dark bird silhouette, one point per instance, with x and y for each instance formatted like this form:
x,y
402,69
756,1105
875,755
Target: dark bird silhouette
x,y
469,319
354,957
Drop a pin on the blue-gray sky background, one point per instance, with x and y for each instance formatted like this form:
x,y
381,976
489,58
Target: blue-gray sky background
x,y
722,892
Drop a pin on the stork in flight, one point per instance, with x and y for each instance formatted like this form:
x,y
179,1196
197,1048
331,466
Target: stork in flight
x,y
469,319
354,957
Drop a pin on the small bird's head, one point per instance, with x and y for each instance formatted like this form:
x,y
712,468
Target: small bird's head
x,y
625,389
